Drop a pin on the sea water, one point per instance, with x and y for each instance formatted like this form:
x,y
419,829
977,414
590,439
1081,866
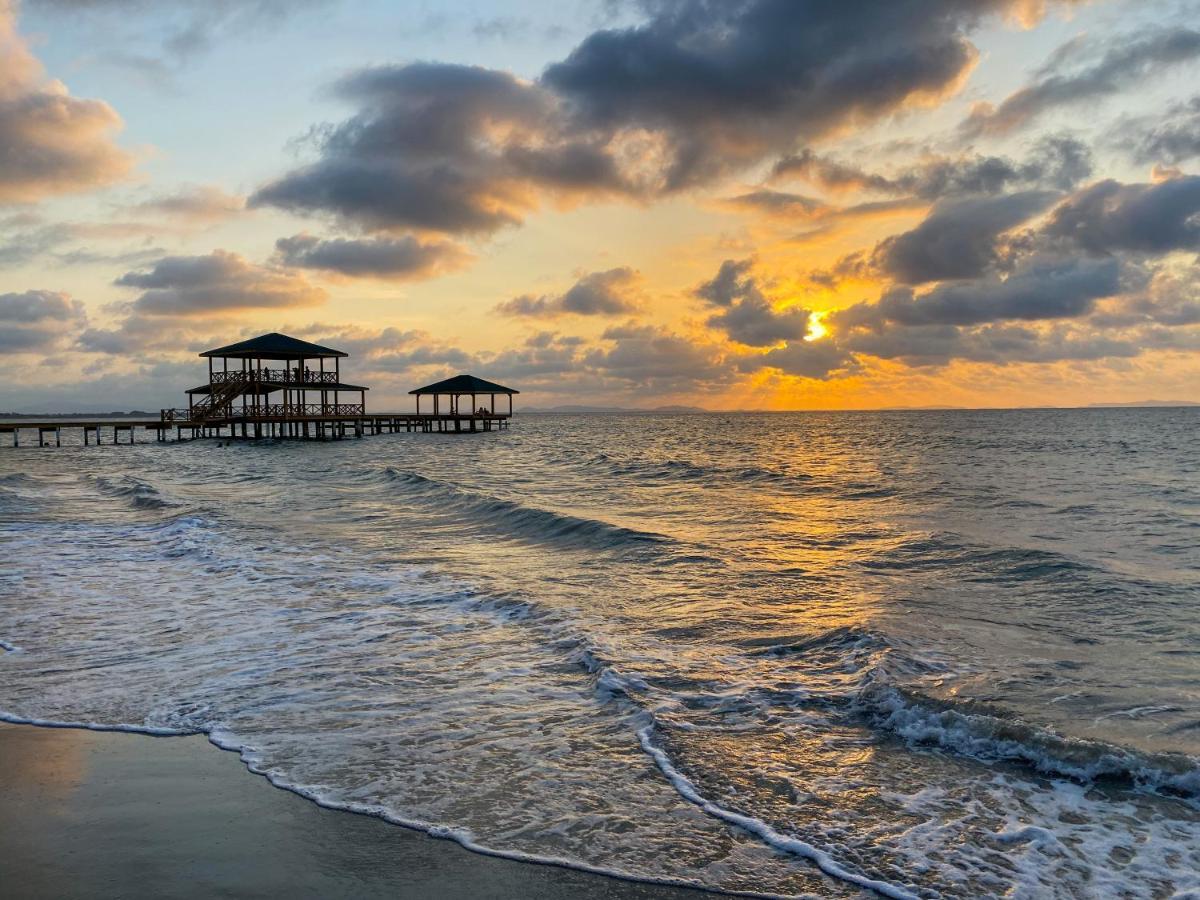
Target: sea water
x,y
918,654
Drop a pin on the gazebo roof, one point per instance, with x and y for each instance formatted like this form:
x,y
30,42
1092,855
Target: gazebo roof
x,y
269,387
275,346
465,384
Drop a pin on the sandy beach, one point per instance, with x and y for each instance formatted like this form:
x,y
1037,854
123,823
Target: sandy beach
x,y
108,814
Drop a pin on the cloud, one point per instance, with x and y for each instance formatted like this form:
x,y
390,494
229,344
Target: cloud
x,y
1081,70
723,84
190,27
37,321
52,143
1109,216
1171,138
28,237
1042,288
218,282
806,359
746,315
958,239
780,203
607,293
397,259
1055,161
194,203
656,360
999,344
697,91
445,148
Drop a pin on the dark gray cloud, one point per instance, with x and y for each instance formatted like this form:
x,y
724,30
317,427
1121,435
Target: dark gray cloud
x,y
441,147
218,282
658,361
958,239
1171,138
698,90
1170,298
607,293
52,143
725,83
399,259
1056,162
822,359
142,333
1042,288
37,321
1087,70
999,344
746,315
1109,217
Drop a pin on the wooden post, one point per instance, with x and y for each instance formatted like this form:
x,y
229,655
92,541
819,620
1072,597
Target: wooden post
x,y
57,437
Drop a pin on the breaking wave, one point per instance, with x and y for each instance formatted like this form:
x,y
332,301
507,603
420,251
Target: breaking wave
x,y
527,522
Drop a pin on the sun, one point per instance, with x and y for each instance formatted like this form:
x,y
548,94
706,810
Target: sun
x,y
816,330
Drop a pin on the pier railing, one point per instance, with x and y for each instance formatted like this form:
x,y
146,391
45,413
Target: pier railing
x,y
266,411
275,376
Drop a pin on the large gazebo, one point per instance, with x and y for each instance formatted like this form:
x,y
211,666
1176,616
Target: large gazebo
x,y
273,378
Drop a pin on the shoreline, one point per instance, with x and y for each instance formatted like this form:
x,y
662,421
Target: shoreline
x,y
115,813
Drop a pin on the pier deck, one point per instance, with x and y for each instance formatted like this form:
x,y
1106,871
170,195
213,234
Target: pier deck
x,y
123,431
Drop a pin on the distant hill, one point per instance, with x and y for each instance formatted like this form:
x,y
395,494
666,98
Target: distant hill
x,y
613,409
1143,403
115,414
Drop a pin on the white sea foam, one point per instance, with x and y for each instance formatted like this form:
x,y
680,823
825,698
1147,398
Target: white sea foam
x,y
760,829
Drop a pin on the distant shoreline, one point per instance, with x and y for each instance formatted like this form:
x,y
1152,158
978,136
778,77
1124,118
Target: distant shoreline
x,y
674,410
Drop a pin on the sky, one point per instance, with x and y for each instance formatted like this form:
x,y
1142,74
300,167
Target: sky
x,y
733,204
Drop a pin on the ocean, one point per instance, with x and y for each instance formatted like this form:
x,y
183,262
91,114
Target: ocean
x,y
912,654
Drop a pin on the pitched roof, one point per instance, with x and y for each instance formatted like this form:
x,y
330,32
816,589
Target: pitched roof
x,y
465,384
270,387
275,346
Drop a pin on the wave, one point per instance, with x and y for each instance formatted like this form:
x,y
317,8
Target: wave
x,y
140,494
760,829
987,734
843,639
967,728
685,470
528,522
944,550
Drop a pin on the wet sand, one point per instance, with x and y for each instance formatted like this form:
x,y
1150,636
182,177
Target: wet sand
x,y
107,814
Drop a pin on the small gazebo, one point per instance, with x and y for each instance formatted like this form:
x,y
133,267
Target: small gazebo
x,y
454,389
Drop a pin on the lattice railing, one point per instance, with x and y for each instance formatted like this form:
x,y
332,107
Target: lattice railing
x,y
276,376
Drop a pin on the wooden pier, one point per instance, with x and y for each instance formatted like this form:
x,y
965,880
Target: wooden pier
x,y
33,433
252,400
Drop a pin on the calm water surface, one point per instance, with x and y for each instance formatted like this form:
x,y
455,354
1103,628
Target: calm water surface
x,y
934,654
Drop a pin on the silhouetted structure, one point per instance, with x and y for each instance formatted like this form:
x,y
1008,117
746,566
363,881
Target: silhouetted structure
x,y
275,385
454,389
280,386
